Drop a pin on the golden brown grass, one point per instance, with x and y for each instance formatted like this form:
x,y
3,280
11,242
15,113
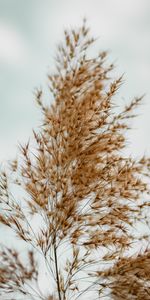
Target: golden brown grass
x,y
85,192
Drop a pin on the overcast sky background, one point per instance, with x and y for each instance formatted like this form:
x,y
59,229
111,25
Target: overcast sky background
x,y
29,32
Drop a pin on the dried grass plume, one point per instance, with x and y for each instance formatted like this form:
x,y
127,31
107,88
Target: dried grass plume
x,y
72,197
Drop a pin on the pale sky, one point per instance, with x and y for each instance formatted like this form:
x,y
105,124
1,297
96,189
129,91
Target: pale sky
x,y
29,32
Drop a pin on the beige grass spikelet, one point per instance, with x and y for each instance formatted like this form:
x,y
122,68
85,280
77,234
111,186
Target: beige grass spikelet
x,y
72,197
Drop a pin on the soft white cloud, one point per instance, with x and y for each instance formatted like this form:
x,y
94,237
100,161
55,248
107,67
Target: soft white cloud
x,y
13,49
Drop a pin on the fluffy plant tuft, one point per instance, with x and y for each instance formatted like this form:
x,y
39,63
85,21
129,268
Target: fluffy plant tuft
x,y
78,204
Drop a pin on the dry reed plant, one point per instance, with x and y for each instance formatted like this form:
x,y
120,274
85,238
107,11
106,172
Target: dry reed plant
x,y
85,205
